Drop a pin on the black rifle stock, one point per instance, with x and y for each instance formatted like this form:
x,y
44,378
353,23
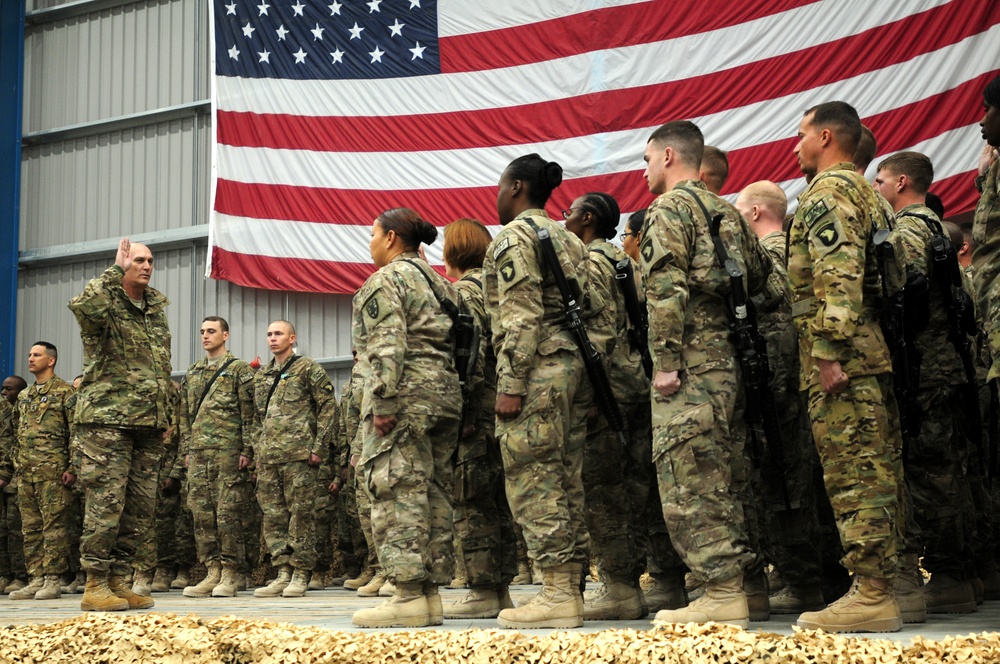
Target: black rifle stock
x,y
638,331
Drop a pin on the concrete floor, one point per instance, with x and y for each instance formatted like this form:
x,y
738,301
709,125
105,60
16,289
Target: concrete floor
x,y
332,609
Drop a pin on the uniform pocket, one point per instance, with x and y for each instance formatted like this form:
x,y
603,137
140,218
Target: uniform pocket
x,y
690,448
385,464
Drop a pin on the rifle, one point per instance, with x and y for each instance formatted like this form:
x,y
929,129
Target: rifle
x,y
606,401
638,331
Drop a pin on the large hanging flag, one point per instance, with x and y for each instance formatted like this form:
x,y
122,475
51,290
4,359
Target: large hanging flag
x,y
328,112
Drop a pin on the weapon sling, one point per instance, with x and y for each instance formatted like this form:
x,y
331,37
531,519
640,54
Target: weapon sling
x,y
638,330
208,387
277,379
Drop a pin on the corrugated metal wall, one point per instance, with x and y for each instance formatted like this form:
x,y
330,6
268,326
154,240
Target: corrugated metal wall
x,y
86,74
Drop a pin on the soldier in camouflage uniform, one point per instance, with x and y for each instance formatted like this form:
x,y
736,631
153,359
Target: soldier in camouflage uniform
x,y
846,368
294,427
410,419
13,574
216,417
483,522
542,392
938,454
615,480
123,407
793,529
371,578
699,435
41,458
350,538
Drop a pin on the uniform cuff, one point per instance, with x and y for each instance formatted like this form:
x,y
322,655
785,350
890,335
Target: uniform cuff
x,y
384,407
825,349
667,361
511,385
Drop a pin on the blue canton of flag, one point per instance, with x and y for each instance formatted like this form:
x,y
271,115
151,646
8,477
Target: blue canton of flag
x,y
326,39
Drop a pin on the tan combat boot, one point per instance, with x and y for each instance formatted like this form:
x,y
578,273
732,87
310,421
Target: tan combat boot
x,y
162,580
50,589
755,588
182,580
229,582
503,598
388,589
28,592
523,577
277,585
667,592
944,593
316,582
366,576
477,603
407,608
614,600
298,585
906,588
537,577
722,602
142,584
78,583
435,609
557,606
868,606
97,596
371,588
796,599
205,587
118,586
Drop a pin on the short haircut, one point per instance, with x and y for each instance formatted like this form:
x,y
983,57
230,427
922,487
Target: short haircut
x,y
867,148
18,381
715,165
768,195
934,202
955,233
223,325
50,348
991,93
841,119
636,220
915,166
465,243
291,328
684,137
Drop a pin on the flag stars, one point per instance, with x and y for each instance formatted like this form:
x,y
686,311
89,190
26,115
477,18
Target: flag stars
x,y
248,30
263,7
417,51
335,8
356,31
234,53
265,56
317,33
373,6
414,3
396,29
231,9
297,8
282,32
337,55
300,56
376,54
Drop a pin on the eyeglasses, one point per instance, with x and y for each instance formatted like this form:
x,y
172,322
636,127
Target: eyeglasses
x,y
567,213
627,234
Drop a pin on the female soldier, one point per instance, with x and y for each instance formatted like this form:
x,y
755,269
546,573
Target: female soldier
x,y
633,234
410,411
616,482
542,397
483,522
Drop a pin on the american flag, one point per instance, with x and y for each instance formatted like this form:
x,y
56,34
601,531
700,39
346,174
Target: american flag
x,y
328,112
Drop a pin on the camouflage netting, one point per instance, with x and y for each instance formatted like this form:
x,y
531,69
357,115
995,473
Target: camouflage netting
x,y
165,638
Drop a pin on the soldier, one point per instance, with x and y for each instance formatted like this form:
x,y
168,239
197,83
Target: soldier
x,y
410,417
217,401
12,568
938,453
542,394
714,169
350,538
846,369
986,231
293,426
698,431
122,409
616,481
45,429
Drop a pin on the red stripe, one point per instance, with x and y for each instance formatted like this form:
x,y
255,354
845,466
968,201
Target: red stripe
x,y
612,27
905,126
958,193
617,110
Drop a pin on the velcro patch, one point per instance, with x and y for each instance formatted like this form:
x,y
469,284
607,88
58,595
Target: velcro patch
x,y
502,246
375,308
818,209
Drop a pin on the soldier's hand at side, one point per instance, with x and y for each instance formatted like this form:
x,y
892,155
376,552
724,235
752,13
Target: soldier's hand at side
x,y
987,157
508,406
122,258
667,383
384,424
244,462
314,459
3,483
344,474
832,378
334,487
185,461
420,252
68,479
170,486
354,461
468,430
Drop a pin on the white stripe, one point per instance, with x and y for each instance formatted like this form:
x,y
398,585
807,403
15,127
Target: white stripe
x,y
623,68
459,17
743,127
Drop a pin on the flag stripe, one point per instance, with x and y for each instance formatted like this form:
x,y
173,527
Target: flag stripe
x,y
460,17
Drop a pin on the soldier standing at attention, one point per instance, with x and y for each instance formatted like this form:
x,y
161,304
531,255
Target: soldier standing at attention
x,y
215,428
45,473
986,231
122,409
295,423
542,392
699,435
846,369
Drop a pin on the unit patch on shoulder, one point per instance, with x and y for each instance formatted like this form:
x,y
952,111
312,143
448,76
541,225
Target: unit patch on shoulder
x,y
828,235
815,212
647,250
502,246
372,308
508,272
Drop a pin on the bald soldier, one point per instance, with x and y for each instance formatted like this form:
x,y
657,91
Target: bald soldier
x,y
122,409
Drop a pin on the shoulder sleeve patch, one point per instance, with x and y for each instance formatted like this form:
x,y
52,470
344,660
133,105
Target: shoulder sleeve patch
x,y
818,209
827,235
375,308
501,246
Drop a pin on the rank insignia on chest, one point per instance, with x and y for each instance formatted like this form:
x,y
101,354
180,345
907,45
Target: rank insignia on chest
x,y
372,308
507,271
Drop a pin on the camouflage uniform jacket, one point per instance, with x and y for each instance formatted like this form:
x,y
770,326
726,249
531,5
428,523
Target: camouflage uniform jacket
x,y
833,275
986,259
352,410
774,317
350,420
940,363
126,356
407,341
686,287
523,301
225,418
301,417
625,373
45,430
7,449
470,289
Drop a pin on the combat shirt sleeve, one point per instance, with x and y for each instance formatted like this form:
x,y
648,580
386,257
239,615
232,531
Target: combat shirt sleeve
x,y
601,326
385,327
184,420
327,419
245,395
91,307
517,322
6,442
69,422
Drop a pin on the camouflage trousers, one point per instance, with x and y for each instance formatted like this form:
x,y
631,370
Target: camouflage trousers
x,y
288,493
74,525
483,522
408,476
935,476
857,436
351,540
44,512
542,450
616,487
251,523
119,473
169,542
327,505
11,539
698,440
216,500
363,502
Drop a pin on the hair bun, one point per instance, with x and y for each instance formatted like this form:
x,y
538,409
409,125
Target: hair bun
x,y
553,174
426,232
